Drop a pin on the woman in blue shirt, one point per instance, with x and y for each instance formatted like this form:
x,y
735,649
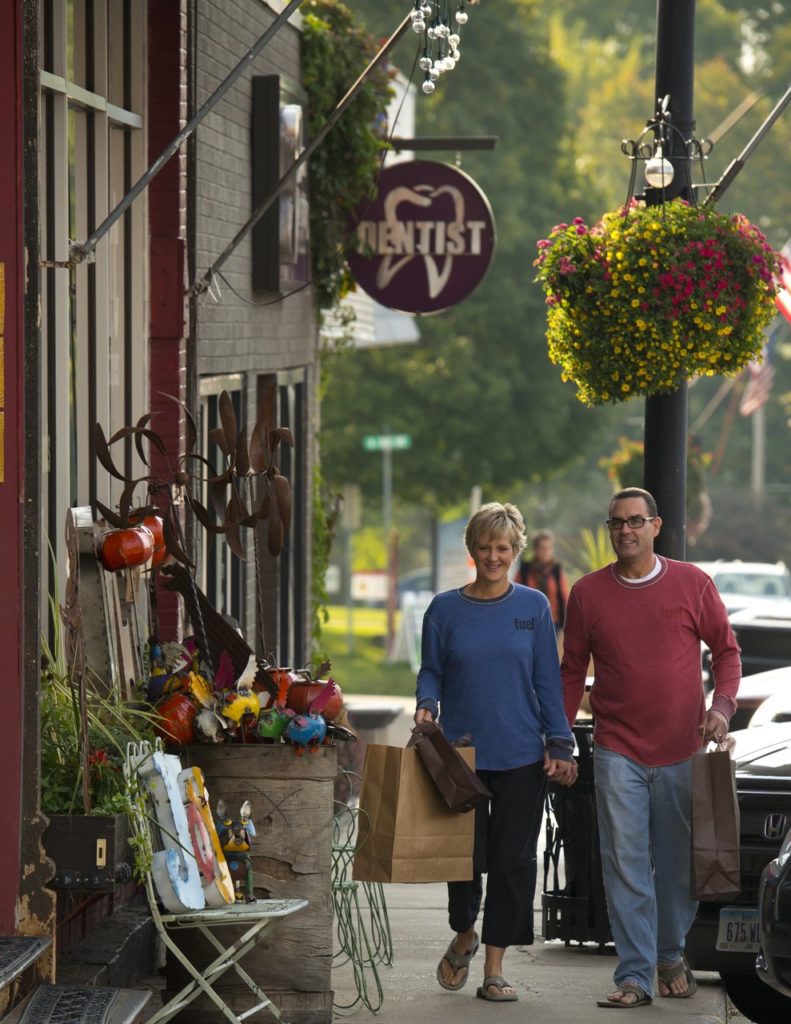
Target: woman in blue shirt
x,y
490,672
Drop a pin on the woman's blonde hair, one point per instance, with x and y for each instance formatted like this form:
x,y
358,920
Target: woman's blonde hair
x,y
496,520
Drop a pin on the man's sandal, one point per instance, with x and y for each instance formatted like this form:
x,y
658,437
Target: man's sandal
x,y
667,973
643,999
498,982
457,961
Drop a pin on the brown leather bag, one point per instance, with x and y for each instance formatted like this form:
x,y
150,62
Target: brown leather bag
x,y
459,786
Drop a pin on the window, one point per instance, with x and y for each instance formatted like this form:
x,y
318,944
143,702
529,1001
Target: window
x,y
95,360
265,595
220,573
291,402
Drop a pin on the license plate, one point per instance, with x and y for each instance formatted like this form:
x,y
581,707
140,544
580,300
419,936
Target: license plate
x,y
739,931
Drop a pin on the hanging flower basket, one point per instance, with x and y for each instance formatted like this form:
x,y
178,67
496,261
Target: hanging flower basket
x,y
652,296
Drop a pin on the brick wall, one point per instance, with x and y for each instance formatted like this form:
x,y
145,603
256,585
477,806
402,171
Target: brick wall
x,y
238,333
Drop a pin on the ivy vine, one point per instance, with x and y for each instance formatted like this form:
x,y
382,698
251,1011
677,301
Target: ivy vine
x,y
344,168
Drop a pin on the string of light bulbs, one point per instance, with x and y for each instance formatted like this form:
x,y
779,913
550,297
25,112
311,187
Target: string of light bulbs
x,y
440,22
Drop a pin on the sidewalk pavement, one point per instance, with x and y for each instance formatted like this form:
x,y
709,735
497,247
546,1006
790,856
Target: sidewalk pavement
x,y
555,982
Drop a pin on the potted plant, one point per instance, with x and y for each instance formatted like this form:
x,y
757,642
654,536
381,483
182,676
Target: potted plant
x,y
654,295
84,732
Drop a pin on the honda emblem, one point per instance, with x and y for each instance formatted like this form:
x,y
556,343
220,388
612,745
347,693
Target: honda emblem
x,y
775,826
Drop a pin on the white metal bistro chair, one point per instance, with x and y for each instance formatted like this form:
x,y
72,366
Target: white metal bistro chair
x,y
174,870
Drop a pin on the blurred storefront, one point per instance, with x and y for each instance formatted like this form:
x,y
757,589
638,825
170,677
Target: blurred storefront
x,y
93,91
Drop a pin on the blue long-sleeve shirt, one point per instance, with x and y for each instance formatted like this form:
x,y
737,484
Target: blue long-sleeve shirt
x,y
492,667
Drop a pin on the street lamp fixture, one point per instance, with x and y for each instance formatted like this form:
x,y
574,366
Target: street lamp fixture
x,y
658,169
663,150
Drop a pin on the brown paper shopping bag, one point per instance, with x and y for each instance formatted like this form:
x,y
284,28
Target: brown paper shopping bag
x,y
715,827
405,831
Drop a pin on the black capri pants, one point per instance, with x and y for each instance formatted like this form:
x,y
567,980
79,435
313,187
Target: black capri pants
x,y
506,835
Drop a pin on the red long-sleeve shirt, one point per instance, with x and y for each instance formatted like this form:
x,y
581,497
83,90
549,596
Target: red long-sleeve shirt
x,y
647,698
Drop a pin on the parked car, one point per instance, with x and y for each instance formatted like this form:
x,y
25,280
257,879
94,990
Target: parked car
x,y
418,581
763,633
726,937
777,706
749,584
754,693
773,963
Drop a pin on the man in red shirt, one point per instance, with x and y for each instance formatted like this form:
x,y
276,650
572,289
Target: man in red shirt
x,y
642,618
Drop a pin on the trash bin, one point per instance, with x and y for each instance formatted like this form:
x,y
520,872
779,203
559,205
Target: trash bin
x,y
576,910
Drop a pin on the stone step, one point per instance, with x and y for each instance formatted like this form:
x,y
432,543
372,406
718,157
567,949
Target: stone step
x,y
73,1004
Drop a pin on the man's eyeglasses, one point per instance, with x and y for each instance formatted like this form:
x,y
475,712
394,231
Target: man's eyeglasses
x,y
633,522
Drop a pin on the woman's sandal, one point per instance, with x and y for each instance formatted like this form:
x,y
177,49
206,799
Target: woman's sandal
x,y
667,973
457,961
643,999
496,981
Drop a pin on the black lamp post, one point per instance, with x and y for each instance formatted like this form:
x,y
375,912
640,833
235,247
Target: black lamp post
x,y
665,430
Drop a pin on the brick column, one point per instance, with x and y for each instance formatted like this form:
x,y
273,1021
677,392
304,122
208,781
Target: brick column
x,y
167,199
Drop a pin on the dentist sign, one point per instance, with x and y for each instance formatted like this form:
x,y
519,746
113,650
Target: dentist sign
x,y
426,240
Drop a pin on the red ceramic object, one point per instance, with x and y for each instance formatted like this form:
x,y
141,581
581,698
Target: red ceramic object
x,y
125,549
302,694
154,524
176,721
282,678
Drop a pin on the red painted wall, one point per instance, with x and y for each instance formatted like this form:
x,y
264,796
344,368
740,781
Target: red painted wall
x,y
167,113
11,482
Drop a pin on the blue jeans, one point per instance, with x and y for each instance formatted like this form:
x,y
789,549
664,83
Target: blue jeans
x,y
644,832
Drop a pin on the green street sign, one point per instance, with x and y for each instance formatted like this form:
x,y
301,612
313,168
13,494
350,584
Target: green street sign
x,y
387,442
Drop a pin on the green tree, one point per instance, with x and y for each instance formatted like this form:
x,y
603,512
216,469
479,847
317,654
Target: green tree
x,y
560,84
478,394
608,55
741,51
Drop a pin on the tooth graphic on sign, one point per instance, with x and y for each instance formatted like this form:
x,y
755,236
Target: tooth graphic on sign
x,y
425,240
391,265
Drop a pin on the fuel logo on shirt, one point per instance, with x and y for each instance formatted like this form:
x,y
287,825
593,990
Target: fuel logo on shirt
x,y
524,623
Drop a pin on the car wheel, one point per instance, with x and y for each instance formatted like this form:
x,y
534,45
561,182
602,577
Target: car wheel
x,y
756,1000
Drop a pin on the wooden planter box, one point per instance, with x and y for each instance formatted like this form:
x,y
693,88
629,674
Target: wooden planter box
x,y
91,851
292,810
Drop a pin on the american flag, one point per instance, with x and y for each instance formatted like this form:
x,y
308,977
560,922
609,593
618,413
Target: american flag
x,y
760,374
783,298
